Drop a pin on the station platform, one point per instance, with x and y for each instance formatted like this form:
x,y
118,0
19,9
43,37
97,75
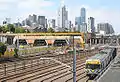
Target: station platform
x,y
113,72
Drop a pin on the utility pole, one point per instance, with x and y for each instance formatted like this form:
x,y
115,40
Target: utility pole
x,y
74,62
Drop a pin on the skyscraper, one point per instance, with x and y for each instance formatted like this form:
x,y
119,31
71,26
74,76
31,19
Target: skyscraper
x,y
27,22
106,27
77,23
31,21
62,17
83,28
51,23
83,15
91,27
80,22
77,20
30,18
42,21
46,24
70,26
34,18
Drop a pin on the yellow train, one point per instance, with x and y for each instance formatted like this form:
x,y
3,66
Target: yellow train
x,y
100,61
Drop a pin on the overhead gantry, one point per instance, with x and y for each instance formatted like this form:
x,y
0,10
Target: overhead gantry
x,y
43,34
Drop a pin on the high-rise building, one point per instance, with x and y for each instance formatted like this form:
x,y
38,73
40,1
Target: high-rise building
x,y
23,23
46,24
83,28
30,21
42,21
34,18
30,18
106,27
80,22
91,27
63,17
51,23
111,29
83,15
77,20
70,26
77,23
27,22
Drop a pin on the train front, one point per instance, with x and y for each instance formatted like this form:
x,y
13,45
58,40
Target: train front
x,y
92,67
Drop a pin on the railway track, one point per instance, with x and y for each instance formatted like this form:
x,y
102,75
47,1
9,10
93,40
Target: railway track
x,y
69,77
20,74
40,73
28,71
54,74
84,79
49,76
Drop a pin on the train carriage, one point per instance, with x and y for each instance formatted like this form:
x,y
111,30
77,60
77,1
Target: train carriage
x,y
97,63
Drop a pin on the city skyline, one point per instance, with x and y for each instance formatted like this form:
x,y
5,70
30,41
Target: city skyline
x,y
100,10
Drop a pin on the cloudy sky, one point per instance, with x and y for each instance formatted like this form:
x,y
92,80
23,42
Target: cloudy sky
x,y
101,10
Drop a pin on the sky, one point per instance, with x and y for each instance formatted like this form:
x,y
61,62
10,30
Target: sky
x,y
101,10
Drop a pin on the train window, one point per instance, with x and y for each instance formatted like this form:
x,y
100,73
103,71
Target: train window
x,y
93,66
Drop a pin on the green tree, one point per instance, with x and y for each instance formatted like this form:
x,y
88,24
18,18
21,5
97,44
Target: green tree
x,y
1,29
5,29
3,48
22,30
19,30
51,30
11,28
